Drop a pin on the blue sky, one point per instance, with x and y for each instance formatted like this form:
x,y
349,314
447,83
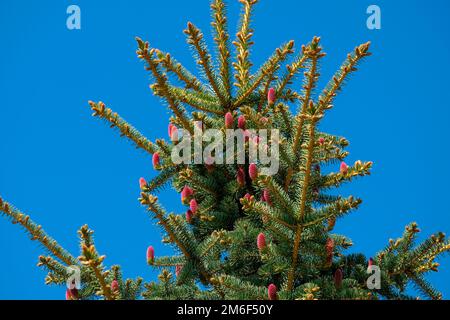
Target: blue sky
x,y
66,168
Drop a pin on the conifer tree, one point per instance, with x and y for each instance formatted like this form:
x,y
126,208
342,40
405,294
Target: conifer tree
x,y
246,234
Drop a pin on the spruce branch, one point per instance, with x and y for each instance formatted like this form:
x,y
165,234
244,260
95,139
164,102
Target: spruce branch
x,y
266,212
151,202
303,204
57,273
241,290
236,246
173,66
221,38
169,261
292,70
90,258
196,101
217,239
195,38
314,53
36,232
243,43
358,169
278,194
161,86
266,71
163,178
333,210
329,93
101,111
426,288
204,183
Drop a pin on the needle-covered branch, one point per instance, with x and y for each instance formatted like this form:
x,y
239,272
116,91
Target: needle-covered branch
x,y
221,38
246,234
173,66
101,111
36,233
195,38
161,87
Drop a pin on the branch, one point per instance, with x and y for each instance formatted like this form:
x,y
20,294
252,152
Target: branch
x,y
161,87
266,70
90,258
243,44
314,53
37,233
221,38
195,38
171,65
305,187
336,83
126,129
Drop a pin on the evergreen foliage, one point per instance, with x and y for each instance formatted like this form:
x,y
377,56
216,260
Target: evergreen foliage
x,y
246,235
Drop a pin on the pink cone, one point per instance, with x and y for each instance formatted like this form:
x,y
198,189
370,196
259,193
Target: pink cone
x,y
156,161
142,183
344,168
338,276
150,255
189,216
114,285
241,122
229,120
321,141
369,264
174,134
169,130
271,96
193,205
178,269
240,177
266,196
272,292
253,171
72,294
261,241
68,295
248,196
247,135
186,194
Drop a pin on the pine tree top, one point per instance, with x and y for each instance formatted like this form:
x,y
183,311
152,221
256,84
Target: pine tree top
x,y
247,233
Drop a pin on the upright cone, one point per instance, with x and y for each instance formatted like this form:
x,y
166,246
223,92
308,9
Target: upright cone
x,y
338,276
271,96
272,292
150,255
261,241
253,171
